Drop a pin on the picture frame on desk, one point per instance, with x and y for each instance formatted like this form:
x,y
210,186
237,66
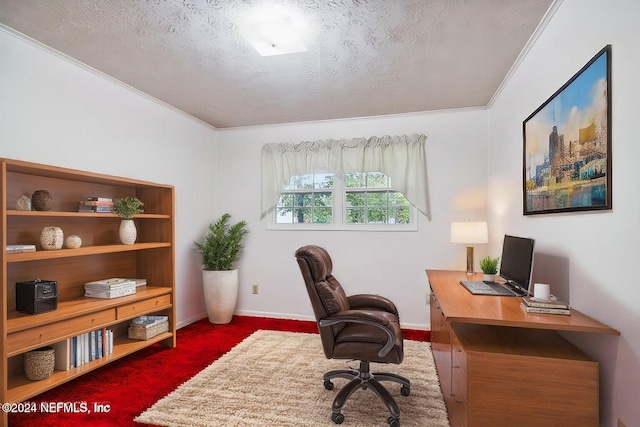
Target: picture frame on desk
x,y
567,144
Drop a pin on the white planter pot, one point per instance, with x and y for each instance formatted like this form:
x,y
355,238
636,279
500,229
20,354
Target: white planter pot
x,y
128,232
489,277
220,294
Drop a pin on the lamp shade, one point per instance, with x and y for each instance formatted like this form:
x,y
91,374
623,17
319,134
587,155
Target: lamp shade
x,y
469,232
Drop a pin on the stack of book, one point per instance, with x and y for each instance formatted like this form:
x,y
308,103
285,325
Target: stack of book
x,y
96,204
110,288
552,306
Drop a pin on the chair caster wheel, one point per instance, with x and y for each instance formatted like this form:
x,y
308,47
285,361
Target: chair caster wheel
x,y
393,422
405,391
328,385
337,418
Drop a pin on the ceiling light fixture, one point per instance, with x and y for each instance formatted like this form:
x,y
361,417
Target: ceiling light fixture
x,y
273,31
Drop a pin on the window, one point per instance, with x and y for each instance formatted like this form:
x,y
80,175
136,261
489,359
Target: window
x,y
357,201
307,199
371,200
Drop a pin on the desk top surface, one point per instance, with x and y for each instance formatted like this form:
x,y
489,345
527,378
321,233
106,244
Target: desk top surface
x,y
459,305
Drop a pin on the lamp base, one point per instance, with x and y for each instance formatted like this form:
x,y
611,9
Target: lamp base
x,y
470,260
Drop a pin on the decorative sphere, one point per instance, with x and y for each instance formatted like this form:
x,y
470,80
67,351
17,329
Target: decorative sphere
x,y
42,200
51,238
73,242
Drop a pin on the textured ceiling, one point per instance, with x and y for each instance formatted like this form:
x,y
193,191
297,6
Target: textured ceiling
x,y
364,58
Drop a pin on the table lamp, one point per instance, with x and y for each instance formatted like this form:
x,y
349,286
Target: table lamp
x,y
469,233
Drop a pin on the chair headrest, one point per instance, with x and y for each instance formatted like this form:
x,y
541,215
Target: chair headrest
x,y
318,259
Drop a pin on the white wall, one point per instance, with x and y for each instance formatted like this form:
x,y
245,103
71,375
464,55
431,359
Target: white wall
x,y
386,263
589,257
56,112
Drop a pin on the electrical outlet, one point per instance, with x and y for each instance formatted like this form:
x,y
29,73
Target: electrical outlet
x,y
255,289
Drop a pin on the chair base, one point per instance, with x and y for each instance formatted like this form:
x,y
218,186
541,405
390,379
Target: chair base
x,y
365,379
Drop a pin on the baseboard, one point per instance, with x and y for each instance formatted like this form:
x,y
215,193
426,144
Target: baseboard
x,y
416,326
192,319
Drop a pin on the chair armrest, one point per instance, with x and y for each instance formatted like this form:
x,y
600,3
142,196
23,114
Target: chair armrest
x,y
372,318
369,301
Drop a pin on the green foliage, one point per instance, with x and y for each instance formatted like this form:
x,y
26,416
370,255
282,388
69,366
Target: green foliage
x,y
220,247
127,207
489,265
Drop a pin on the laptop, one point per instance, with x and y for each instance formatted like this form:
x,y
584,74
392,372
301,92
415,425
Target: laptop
x,y
516,265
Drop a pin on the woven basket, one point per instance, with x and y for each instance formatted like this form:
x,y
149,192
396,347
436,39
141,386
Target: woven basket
x,y
38,364
140,332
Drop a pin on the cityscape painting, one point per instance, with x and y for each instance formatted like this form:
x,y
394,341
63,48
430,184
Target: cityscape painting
x,y
567,144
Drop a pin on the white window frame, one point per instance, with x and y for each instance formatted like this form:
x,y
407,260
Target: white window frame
x,y
339,213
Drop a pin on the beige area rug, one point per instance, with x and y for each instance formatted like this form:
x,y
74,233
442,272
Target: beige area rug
x,y
275,378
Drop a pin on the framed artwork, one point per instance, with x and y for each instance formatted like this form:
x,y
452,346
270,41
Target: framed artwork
x,y
567,144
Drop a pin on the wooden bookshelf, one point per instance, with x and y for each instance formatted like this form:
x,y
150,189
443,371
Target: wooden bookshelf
x,y
101,256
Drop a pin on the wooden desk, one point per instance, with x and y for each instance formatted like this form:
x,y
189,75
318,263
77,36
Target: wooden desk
x,y
487,349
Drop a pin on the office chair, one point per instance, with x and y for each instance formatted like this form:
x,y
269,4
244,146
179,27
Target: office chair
x,y
358,327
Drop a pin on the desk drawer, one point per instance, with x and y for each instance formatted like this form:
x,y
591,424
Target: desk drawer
x,y
460,398
42,335
145,306
458,355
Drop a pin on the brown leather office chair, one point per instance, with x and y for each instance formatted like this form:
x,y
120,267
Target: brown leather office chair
x,y
358,327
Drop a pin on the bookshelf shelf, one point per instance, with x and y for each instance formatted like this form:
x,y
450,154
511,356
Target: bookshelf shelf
x,y
20,388
100,256
90,250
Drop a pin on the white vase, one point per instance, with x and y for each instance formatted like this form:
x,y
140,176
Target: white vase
x,y
489,277
220,294
51,238
128,232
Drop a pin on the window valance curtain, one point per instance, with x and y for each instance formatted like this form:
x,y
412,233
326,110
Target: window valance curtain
x,y
402,158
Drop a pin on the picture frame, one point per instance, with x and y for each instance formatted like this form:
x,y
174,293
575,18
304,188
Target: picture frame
x,y
567,145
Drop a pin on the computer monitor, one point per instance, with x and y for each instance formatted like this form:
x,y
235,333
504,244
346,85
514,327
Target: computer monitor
x,y
516,263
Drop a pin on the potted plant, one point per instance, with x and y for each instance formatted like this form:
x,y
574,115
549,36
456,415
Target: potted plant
x,y
126,208
489,267
220,249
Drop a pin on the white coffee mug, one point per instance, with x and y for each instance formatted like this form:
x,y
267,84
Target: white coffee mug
x,y
541,291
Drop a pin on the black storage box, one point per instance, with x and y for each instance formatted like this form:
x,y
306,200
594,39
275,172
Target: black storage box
x,y
36,296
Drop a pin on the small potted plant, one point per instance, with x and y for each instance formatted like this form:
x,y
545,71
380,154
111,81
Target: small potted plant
x,y
489,267
126,208
220,249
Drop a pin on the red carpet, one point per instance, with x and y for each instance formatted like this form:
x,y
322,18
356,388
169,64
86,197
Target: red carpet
x,y
132,384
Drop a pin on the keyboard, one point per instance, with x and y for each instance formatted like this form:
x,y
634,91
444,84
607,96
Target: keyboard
x,y
486,288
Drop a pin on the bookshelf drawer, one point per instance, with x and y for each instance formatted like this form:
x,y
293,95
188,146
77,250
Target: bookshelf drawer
x,y
145,306
28,339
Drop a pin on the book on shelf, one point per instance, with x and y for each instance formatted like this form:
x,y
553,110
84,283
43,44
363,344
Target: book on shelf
x,y
63,355
96,209
99,199
139,282
110,294
96,203
108,284
544,303
84,348
543,310
17,249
